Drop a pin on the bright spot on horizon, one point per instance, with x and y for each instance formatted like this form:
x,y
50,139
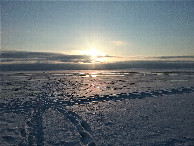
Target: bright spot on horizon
x,y
92,53
96,55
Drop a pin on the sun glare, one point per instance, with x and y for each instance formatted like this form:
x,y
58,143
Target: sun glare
x,y
96,56
92,53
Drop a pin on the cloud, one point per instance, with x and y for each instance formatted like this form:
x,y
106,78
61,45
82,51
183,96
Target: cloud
x,y
173,57
107,66
160,58
118,43
41,57
27,61
24,57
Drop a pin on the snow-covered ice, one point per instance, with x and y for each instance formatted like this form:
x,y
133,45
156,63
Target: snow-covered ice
x,y
97,108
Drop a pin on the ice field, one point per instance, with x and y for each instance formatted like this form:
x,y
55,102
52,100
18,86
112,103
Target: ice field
x,y
97,108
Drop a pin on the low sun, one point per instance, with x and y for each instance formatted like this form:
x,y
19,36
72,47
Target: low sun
x,y
96,56
94,53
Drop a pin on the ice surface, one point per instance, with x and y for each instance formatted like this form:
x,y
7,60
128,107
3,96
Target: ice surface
x,y
97,108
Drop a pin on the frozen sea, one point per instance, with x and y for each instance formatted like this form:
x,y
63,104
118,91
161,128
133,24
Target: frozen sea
x,y
123,107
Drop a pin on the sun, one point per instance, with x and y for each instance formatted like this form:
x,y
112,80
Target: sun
x,y
96,55
92,53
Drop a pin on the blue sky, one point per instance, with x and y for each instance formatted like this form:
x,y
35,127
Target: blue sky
x,y
126,29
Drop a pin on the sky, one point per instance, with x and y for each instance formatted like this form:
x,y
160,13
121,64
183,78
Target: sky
x,y
106,31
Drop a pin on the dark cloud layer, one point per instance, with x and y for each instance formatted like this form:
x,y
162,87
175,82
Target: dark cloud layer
x,y
54,61
173,57
108,66
41,57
